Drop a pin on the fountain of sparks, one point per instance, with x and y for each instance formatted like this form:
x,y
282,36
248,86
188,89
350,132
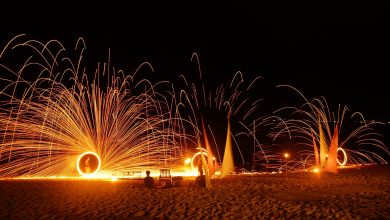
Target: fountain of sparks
x,y
328,139
56,121
209,110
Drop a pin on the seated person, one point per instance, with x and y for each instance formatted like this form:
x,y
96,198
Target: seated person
x,y
148,180
200,181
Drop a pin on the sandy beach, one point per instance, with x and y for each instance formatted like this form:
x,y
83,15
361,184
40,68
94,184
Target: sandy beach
x,y
362,193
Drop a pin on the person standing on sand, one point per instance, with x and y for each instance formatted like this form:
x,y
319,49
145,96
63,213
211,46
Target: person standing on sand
x,y
148,180
87,165
200,167
200,181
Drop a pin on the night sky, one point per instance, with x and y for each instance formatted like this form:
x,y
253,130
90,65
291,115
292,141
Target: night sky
x,y
338,51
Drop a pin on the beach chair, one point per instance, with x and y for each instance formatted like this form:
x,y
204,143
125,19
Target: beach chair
x,y
165,178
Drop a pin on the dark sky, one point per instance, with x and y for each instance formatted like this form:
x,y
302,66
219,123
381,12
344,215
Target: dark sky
x,y
338,51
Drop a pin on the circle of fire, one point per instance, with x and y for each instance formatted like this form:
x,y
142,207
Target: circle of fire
x,y
203,151
88,164
345,157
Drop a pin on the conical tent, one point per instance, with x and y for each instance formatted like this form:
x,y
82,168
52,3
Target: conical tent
x,y
332,157
323,148
210,154
207,176
316,155
228,161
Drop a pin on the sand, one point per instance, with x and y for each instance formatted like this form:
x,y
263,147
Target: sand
x,y
352,194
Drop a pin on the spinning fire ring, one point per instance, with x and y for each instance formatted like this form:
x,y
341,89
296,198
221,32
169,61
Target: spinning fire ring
x,y
344,156
88,164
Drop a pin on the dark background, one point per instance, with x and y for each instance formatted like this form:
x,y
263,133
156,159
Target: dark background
x,y
336,51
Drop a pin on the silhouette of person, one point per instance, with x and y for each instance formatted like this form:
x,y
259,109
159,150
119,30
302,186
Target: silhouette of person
x,y
200,168
87,165
200,181
148,180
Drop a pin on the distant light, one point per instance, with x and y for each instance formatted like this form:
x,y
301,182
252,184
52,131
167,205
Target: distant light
x,y
114,178
316,170
286,155
187,161
213,158
326,156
